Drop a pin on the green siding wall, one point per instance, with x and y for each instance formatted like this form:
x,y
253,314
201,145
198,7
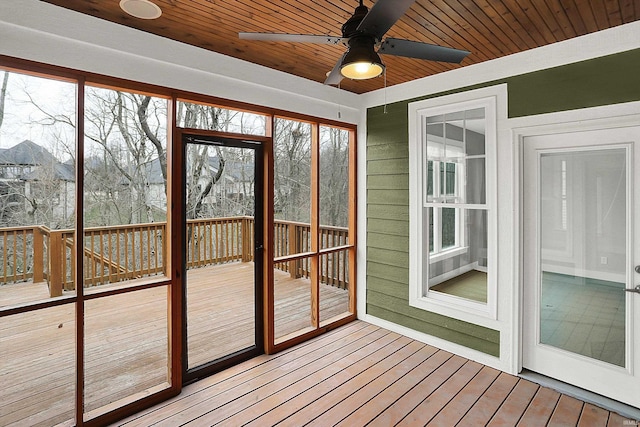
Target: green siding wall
x,y
602,81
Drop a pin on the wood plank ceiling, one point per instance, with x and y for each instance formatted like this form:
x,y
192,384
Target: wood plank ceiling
x,y
487,28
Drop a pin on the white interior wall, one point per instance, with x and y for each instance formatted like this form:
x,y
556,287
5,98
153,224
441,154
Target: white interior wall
x,y
38,31
592,242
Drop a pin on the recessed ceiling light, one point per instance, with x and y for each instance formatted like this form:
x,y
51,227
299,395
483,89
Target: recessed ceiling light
x,y
142,9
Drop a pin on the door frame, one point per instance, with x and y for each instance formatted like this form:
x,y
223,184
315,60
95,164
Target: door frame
x,y
594,118
184,137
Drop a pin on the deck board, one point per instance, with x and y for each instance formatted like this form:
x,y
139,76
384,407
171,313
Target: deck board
x,y
540,408
515,404
126,339
419,370
489,402
593,416
356,375
359,375
458,406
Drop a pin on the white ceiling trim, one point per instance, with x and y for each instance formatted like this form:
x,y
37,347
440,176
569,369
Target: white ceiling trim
x,y
593,45
39,31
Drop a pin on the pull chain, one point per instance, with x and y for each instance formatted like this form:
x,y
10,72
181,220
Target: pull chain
x,y
384,110
339,104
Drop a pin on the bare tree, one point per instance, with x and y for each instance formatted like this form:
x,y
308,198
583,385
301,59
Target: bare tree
x,y
334,177
292,163
202,175
3,95
120,163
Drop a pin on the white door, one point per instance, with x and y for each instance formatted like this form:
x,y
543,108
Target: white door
x,y
581,318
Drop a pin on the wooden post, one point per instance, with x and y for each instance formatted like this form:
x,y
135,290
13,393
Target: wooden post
x,y
293,249
246,240
38,255
69,285
56,258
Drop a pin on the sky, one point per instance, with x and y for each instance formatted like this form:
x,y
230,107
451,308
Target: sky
x,y
23,120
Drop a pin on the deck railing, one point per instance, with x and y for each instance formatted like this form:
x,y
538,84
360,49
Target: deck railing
x,y
117,253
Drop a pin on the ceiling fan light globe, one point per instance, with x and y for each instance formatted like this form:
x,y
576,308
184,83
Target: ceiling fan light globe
x,y
361,70
361,61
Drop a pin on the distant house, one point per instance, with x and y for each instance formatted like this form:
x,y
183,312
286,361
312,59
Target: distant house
x,y
226,198
35,182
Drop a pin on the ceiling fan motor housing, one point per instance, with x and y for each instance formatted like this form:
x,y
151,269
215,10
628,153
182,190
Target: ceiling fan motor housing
x,y
350,28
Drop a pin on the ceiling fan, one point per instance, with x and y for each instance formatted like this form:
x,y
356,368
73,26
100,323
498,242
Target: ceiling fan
x,y
362,34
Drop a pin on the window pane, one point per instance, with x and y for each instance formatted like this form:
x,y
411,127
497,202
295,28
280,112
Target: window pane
x,y
449,227
475,132
435,141
334,285
334,187
292,298
583,307
292,187
125,202
200,116
476,186
429,180
126,347
450,180
38,367
431,228
463,273
37,189
454,138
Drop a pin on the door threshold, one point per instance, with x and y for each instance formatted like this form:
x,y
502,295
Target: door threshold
x,y
623,409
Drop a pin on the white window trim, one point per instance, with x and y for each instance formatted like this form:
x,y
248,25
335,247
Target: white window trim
x,y
493,99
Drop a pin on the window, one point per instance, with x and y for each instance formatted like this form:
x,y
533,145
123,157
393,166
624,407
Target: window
x,y
452,158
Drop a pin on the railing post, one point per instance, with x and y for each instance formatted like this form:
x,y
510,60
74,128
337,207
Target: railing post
x,y
56,251
69,285
163,244
293,249
246,240
38,255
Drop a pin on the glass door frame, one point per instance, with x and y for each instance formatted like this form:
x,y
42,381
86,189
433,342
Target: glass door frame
x,y
214,138
604,378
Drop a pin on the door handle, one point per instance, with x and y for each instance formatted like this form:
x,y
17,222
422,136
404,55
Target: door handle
x,y
637,269
636,289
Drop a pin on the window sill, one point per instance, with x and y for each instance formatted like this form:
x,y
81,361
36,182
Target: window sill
x,y
457,308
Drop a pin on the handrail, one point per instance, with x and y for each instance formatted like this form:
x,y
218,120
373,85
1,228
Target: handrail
x,y
116,253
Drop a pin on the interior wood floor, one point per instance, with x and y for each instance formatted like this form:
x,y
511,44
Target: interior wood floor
x,y
471,285
361,374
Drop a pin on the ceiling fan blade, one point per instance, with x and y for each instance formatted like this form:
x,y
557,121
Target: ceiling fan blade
x,y
382,16
304,38
335,77
419,50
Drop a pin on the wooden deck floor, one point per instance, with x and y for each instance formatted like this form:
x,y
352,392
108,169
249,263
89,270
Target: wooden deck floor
x,y
126,339
361,375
